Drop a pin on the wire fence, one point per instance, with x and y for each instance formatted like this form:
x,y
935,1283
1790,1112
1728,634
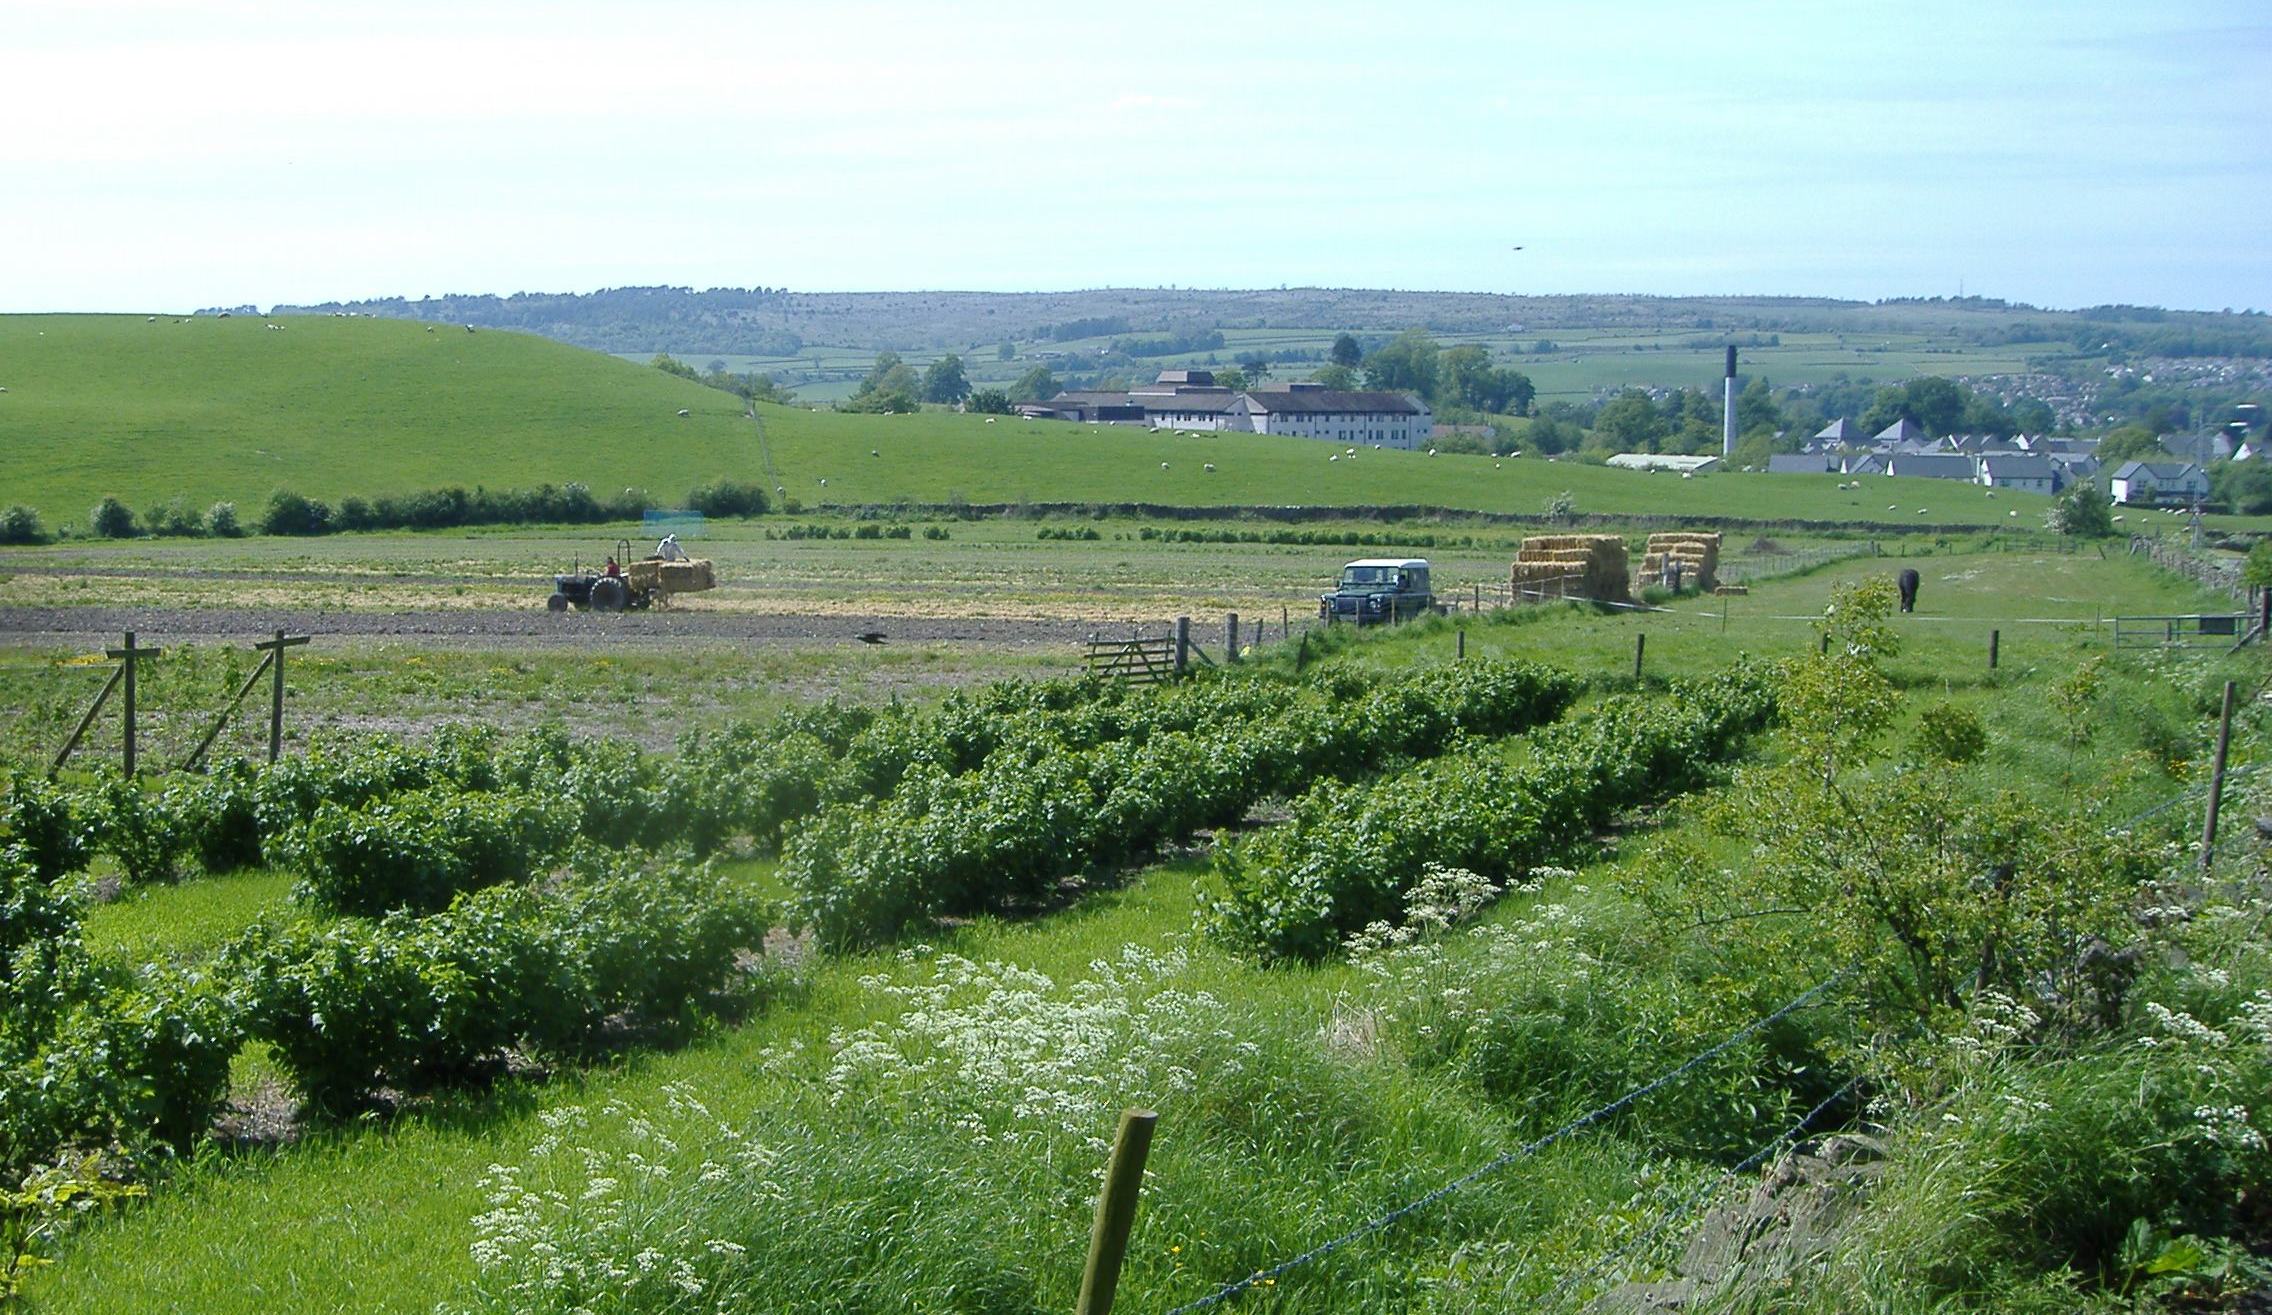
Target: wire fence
x,y
1689,1204
1749,568
1522,1152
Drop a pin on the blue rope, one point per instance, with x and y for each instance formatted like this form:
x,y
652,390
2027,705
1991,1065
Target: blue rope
x,y
1524,1151
1694,1199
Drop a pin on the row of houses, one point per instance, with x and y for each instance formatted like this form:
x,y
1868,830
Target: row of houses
x,y
1192,400
2028,463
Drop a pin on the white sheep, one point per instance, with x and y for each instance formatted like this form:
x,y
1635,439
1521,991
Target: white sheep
x,y
1163,465
1333,456
824,482
873,453
989,420
1209,467
683,413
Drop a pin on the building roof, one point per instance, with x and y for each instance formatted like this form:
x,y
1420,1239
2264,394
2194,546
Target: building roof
x,y
1837,431
2016,465
1196,401
1662,461
1327,401
1795,463
1926,465
1903,430
2158,472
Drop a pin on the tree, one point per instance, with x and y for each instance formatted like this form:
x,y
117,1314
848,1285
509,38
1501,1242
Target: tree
x,y
1035,385
1339,378
1935,404
987,401
1407,364
1629,422
1255,366
891,386
2083,513
20,524
2130,443
1756,408
111,519
1005,352
945,381
2244,486
1231,377
1345,352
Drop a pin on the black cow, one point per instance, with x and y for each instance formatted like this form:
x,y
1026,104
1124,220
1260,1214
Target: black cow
x,y
1907,581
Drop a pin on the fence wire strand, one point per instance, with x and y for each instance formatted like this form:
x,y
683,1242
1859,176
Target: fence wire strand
x,y
1524,1151
1689,1204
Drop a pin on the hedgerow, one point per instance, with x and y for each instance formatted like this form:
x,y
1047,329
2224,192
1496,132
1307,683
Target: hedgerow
x,y
418,849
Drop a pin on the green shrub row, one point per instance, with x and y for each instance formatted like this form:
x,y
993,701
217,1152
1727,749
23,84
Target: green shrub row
x,y
91,1054
1005,835
413,1004
1350,854
418,850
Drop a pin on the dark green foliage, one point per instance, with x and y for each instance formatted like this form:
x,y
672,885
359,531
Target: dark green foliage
x,y
1951,733
20,524
139,829
1352,851
726,497
420,848
219,817
221,521
111,519
290,514
90,1055
44,825
1003,836
415,1004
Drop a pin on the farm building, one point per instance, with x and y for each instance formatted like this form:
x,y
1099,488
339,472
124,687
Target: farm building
x,y
1191,399
2148,483
1664,461
1802,463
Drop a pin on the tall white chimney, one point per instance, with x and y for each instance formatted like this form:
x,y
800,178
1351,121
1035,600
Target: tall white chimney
x,y
1728,421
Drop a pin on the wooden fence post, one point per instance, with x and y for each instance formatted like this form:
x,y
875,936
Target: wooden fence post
x,y
1995,642
1463,643
1182,644
1116,1212
133,657
1231,638
2217,780
276,649
1640,644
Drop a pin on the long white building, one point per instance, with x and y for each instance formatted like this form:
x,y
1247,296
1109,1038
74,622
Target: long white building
x,y
1191,399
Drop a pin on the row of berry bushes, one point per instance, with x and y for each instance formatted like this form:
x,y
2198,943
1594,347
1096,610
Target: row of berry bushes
x,y
95,1054
1349,855
1005,835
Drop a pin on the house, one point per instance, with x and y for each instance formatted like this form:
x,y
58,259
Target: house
x,y
1863,463
1838,433
1802,463
2200,449
2011,470
1308,410
1697,465
2151,483
1931,465
2074,468
1900,432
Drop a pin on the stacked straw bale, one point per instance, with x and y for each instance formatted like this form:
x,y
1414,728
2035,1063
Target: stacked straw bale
x,y
1574,565
1698,556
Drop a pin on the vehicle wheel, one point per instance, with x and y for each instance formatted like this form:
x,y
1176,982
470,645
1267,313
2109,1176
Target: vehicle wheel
x,y
557,603
610,595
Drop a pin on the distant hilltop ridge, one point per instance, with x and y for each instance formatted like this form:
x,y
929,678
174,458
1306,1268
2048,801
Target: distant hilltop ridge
x,y
769,321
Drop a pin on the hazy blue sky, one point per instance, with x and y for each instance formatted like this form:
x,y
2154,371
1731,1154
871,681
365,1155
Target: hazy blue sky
x,y
165,155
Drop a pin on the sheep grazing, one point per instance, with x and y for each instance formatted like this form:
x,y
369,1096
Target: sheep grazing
x,y
683,413
469,328
989,420
1333,456
1163,465
1209,467
429,328
152,320
874,453
824,482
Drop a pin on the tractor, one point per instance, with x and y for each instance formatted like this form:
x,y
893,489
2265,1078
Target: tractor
x,y
648,582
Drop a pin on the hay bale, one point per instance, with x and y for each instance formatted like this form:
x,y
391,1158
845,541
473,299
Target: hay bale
x,y
1574,565
688,577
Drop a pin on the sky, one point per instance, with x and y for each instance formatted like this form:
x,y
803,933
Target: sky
x,y
173,154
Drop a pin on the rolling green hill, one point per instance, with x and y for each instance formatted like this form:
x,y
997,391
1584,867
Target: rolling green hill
x,y
210,408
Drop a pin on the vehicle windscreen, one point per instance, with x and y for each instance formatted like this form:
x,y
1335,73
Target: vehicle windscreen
x,y
1369,577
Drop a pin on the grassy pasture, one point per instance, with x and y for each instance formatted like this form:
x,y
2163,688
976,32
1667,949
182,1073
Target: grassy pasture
x,y
213,409
1333,1123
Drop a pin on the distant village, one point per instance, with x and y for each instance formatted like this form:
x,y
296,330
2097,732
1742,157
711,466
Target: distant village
x,y
1191,401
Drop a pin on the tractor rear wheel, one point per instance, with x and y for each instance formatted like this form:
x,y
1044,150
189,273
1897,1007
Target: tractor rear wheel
x,y
610,594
